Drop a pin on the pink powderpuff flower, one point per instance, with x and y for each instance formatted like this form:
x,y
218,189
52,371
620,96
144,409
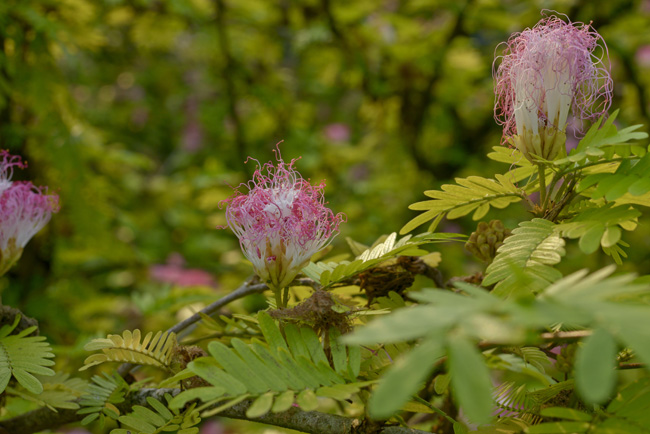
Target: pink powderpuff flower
x,y
544,72
281,222
24,210
337,132
7,163
174,272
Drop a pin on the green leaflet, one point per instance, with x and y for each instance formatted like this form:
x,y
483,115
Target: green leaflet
x,y
307,400
470,194
592,298
627,413
296,343
153,350
597,300
238,368
599,226
158,419
514,157
526,255
205,394
339,355
271,333
313,344
631,176
59,391
597,138
260,406
273,374
208,369
257,365
23,356
283,402
596,367
389,247
274,366
401,325
559,427
470,379
632,403
101,396
566,413
404,378
444,310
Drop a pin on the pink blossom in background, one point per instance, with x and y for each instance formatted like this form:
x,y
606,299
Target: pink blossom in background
x,y
359,172
140,116
24,210
281,221
544,73
337,132
212,427
645,6
175,273
192,137
643,56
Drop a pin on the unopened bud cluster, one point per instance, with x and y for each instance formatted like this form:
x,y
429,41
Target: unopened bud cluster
x,y
486,239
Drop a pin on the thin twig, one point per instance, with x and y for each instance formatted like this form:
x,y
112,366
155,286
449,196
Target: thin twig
x,y
242,291
434,408
624,366
565,336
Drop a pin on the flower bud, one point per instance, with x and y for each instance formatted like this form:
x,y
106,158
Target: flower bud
x,y
545,72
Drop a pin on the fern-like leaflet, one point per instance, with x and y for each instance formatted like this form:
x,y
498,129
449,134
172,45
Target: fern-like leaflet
x,y
472,194
154,350
600,227
101,397
602,141
526,254
516,401
276,374
626,414
631,177
59,391
524,168
159,418
23,356
329,273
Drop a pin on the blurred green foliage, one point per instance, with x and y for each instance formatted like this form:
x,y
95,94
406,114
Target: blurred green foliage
x,y
141,114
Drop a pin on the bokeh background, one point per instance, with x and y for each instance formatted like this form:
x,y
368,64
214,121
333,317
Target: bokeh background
x,y
140,114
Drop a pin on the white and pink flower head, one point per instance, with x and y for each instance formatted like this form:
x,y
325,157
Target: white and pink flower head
x,y
544,72
281,222
24,210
